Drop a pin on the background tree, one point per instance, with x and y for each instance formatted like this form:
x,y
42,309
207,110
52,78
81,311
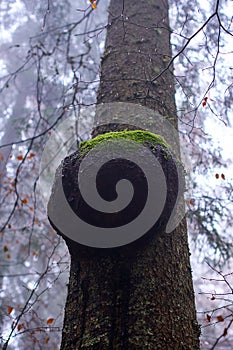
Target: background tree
x,y
51,51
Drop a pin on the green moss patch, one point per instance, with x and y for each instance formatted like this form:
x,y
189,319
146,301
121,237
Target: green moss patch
x,y
140,136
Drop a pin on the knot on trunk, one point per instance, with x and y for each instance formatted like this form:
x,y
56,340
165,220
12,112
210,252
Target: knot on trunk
x,y
118,189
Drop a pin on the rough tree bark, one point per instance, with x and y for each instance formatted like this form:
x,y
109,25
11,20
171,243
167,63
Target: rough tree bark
x,y
137,297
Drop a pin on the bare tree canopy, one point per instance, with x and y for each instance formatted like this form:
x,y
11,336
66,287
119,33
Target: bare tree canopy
x,y
56,70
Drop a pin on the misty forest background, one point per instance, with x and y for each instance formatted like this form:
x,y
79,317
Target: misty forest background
x,y
50,55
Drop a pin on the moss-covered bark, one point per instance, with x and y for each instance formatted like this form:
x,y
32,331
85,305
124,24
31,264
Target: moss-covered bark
x,y
141,296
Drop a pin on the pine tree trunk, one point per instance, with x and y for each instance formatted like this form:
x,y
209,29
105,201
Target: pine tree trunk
x,y
143,300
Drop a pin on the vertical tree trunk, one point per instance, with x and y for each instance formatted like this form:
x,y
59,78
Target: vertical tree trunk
x,y
143,300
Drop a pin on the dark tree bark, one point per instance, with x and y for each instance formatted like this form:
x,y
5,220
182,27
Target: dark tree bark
x,y
140,296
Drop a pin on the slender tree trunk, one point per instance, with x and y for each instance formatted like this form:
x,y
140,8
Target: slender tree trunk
x,y
137,49
143,300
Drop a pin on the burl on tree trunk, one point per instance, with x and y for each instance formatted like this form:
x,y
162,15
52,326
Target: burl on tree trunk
x,y
131,296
